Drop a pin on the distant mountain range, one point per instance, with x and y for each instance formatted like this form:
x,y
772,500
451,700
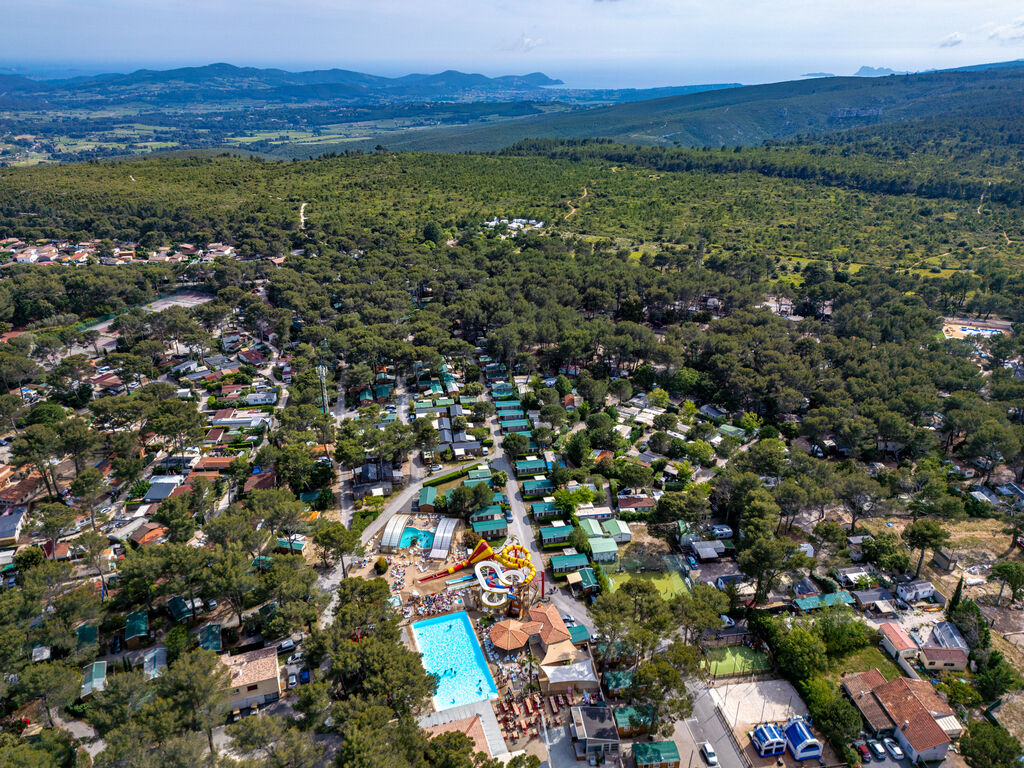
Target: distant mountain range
x,y
225,84
752,114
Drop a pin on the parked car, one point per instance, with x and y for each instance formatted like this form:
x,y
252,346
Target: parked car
x,y
106,511
721,532
287,646
727,622
708,752
115,644
864,752
211,605
436,467
304,676
893,748
877,749
292,680
294,658
486,450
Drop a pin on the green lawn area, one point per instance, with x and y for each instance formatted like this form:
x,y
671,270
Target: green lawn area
x,y
862,661
736,659
669,584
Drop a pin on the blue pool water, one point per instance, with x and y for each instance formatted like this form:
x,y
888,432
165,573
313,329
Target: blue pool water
x,y
451,651
424,539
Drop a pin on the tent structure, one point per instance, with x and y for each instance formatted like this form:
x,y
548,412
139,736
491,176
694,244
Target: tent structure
x,y
511,634
768,740
560,653
559,679
801,742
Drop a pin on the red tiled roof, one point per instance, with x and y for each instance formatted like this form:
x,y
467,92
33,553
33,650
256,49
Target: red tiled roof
x,y
897,636
552,627
902,702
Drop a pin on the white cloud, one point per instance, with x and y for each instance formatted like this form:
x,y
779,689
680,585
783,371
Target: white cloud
x,y
524,44
1009,33
951,41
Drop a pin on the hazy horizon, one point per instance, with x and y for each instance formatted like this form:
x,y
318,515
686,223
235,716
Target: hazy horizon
x,y
586,43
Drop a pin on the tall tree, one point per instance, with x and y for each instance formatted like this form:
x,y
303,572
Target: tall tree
x,y
922,535
196,689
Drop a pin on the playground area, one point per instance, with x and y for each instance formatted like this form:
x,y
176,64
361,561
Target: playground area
x,y
736,661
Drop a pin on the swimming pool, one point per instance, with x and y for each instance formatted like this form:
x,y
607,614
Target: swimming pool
x,y
450,650
424,539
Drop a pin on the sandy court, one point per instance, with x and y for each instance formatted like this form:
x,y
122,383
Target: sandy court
x,y
187,300
748,704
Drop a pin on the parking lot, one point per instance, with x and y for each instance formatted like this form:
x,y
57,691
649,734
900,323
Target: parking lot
x,y
888,761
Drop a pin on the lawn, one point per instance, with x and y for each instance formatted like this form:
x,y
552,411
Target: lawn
x,y
669,584
735,660
861,661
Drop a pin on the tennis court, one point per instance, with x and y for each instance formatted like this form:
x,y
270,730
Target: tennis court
x,y
668,583
736,660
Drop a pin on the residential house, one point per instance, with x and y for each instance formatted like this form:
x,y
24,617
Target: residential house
x,y
915,591
909,710
594,735
22,492
896,641
11,524
944,659
254,678
148,533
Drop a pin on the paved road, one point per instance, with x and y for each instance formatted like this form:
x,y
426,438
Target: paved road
x,y
706,725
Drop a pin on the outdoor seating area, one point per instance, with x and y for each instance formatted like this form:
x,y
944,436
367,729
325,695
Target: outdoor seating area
x,y
523,716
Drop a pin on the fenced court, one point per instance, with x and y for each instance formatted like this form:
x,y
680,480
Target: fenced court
x,y
669,584
736,661
666,572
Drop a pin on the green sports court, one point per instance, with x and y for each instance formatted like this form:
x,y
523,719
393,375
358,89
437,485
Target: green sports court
x,y
736,660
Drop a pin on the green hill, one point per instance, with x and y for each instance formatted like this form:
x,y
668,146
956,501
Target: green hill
x,y
738,116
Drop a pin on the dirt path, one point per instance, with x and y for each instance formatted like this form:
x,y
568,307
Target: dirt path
x,y
302,216
982,201
1006,237
573,208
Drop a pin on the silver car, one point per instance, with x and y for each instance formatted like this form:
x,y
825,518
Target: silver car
x,y
708,751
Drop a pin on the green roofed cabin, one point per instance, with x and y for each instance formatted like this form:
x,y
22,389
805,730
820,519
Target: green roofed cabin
x,y
514,425
632,721
592,528
577,632
491,529
136,627
181,610
508,405
210,638
88,634
493,512
94,678
555,535
261,563
618,530
604,550
565,564
531,467
480,473
616,681
656,754
808,604
536,489
728,430
545,510
428,495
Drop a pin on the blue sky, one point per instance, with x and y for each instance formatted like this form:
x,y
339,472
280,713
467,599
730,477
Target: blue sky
x,y
587,43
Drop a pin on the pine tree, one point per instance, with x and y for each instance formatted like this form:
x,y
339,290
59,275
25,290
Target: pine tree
x,y
957,594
